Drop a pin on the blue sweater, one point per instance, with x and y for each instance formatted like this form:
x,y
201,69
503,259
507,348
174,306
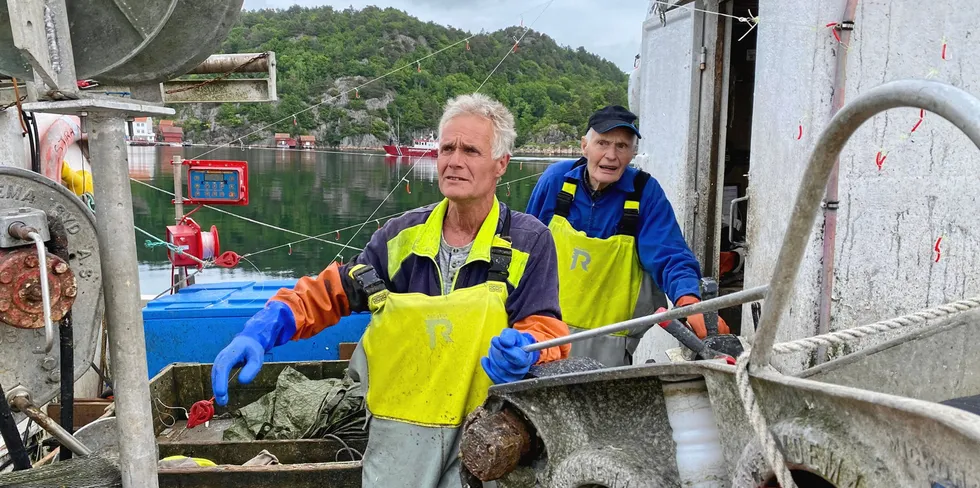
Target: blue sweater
x,y
662,249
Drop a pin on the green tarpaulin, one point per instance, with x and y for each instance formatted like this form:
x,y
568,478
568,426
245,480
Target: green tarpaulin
x,y
301,408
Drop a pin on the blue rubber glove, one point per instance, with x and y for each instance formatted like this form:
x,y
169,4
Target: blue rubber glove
x,y
270,327
506,361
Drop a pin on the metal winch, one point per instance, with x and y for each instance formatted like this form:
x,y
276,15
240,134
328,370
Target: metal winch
x,y
44,227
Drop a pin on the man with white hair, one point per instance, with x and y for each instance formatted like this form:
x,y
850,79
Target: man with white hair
x,y
451,287
614,230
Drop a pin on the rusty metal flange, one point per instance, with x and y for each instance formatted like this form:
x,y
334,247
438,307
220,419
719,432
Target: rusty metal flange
x,y
20,288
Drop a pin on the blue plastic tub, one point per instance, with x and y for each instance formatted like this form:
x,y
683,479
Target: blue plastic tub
x,y
193,325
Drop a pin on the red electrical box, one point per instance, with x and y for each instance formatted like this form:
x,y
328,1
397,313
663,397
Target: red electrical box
x,y
189,238
216,182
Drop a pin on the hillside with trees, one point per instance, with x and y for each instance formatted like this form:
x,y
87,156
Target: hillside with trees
x,y
322,53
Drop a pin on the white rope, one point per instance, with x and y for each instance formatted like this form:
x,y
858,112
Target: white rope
x,y
848,335
770,448
774,457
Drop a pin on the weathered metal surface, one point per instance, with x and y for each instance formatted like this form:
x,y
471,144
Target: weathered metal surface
x,y
75,107
606,427
20,288
224,63
934,364
301,451
314,475
19,365
16,224
101,436
134,42
947,101
843,435
233,90
847,436
24,405
888,219
45,52
124,319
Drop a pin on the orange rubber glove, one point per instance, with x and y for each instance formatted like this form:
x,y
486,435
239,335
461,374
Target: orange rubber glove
x,y
696,321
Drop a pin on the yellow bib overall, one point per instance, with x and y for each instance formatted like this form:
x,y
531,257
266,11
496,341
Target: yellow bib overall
x,y
599,279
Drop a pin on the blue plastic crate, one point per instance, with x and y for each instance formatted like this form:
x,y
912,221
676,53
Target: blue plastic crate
x,y
193,325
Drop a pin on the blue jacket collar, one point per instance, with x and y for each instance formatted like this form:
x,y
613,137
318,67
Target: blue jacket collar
x,y
625,183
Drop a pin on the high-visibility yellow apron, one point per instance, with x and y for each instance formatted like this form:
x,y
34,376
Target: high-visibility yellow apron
x,y
599,279
423,352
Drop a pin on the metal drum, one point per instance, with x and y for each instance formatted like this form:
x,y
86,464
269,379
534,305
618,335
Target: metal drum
x,y
149,41
22,366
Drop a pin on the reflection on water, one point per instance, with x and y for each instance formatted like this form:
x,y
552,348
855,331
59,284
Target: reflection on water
x,y
307,192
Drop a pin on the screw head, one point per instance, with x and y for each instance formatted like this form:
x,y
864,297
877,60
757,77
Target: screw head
x,y
70,291
31,261
6,277
61,267
48,363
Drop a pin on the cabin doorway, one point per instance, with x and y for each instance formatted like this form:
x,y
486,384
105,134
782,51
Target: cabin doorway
x,y
741,40
724,137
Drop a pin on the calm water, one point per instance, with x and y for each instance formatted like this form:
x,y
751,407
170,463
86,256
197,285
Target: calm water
x,y
308,192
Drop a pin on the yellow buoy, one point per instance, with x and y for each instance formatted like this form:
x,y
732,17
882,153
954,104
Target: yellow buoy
x,y
78,181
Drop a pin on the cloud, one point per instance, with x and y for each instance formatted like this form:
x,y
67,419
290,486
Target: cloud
x,y
611,29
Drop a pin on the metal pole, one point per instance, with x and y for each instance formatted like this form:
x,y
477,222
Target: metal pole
x,y
120,278
25,406
178,164
730,300
947,101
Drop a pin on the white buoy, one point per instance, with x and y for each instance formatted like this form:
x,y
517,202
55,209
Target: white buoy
x,y
700,460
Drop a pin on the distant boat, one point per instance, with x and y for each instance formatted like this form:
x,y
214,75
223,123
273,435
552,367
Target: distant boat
x,y
427,148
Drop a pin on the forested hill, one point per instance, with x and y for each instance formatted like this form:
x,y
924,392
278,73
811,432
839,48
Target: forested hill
x,y
322,52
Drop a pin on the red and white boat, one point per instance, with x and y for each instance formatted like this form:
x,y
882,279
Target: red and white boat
x,y
421,148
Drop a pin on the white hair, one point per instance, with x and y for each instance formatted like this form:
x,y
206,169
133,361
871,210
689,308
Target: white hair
x,y
481,105
592,132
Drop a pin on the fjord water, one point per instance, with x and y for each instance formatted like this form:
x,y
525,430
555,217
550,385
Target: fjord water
x,y
309,192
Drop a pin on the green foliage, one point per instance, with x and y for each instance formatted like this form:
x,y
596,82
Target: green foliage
x,y
321,52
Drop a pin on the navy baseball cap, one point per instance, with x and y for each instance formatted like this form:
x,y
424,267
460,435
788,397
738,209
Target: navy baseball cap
x,y
612,116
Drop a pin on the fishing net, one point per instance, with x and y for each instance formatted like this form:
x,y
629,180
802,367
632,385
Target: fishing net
x,y
79,472
301,408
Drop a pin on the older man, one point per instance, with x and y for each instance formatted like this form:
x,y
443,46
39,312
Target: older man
x,y
446,284
614,229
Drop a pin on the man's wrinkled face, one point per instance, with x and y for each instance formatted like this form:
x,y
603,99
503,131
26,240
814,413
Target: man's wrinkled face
x,y
467,170
609,154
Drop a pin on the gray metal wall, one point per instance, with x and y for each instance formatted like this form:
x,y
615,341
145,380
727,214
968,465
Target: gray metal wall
x,y
890,219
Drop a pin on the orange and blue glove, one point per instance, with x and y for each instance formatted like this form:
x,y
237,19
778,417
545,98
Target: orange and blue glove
x,y
696,322
506,361
270,327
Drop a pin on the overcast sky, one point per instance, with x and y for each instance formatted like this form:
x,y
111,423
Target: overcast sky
x,y
609,28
